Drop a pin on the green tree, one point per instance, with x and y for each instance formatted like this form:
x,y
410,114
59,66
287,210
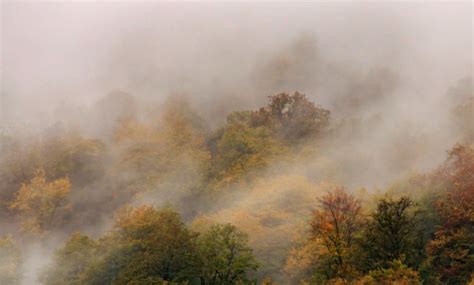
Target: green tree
x,y
70,261
226,257
242,150
396,274
146,245
389,235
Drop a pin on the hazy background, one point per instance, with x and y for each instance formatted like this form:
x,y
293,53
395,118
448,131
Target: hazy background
x,y
390,65
60,52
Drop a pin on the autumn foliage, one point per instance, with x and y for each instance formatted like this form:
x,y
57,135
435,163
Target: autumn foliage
x,y
451,252
161,197
334,227
42,204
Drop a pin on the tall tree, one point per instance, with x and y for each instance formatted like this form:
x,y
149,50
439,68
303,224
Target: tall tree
x,y
226,257
334,227
389,235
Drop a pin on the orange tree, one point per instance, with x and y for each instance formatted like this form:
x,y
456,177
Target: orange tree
x,y
334,228
451,252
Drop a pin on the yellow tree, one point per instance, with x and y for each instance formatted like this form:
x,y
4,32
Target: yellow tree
x,y
270,213
41,205
163,159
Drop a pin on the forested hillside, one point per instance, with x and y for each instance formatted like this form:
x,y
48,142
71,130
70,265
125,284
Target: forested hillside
x,y
190,204
310,143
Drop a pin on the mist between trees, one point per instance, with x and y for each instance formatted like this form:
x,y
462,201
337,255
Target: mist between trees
x,y
169,200
206,166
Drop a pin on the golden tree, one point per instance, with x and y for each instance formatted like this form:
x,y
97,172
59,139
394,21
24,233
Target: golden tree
x,y
41,205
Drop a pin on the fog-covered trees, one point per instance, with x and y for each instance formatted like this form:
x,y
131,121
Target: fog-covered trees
x,y
146,245
153,246
292,117
451,252
243,150
10,261
247,210
252,140
426,238
70,261
42,205
58,156
163,157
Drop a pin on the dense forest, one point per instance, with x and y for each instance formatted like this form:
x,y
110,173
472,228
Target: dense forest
x,y
171,184
236,143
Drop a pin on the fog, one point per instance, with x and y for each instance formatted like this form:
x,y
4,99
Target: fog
x,y
390,73
77,52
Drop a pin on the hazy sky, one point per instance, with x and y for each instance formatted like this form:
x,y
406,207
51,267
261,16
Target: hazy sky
x,y
56,51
